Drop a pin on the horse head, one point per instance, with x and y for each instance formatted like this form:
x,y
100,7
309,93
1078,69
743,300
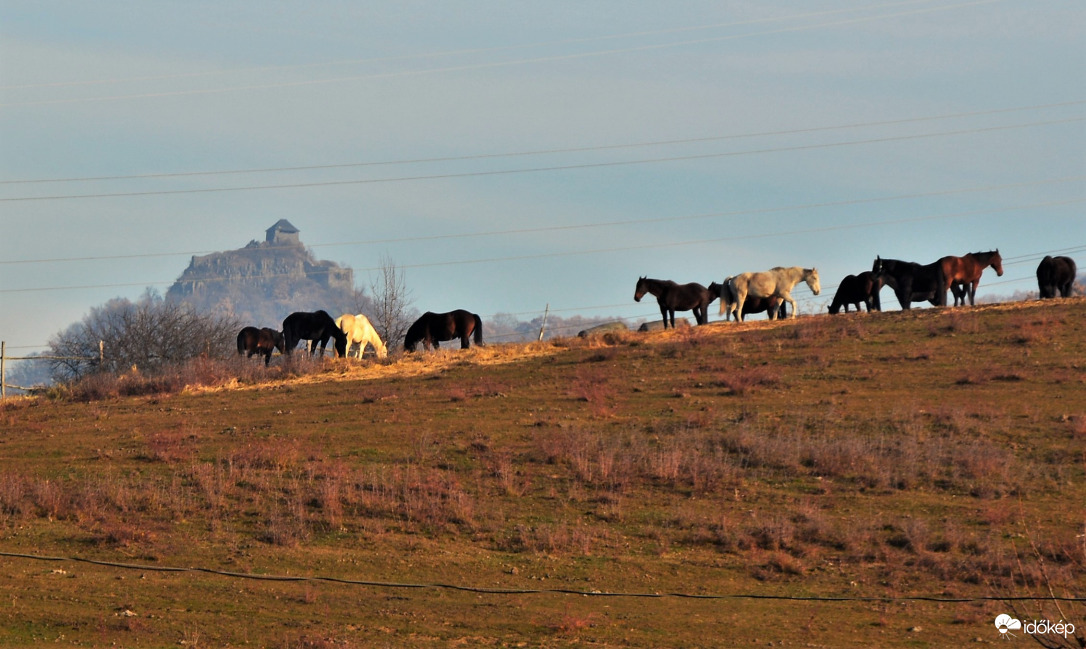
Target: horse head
x,y
811,277
640,289
278,341
997,262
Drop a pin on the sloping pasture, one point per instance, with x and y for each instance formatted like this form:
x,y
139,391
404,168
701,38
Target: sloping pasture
x,y
673,489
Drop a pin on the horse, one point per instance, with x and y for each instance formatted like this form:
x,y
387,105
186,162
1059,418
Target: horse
x,y
728,300
432,328
776,282
260,341
911,281
964,272
674,297
360,331
316,327
1056,276
855,289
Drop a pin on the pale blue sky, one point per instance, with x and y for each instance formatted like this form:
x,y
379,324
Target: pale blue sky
x,y
696,139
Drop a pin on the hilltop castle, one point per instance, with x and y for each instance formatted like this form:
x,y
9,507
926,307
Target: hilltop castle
x,y
265,280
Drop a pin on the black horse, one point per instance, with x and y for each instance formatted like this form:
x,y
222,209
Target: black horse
x,y
855,289
432,328
1055,276
674,297
260,341
316,327
912,282
752,304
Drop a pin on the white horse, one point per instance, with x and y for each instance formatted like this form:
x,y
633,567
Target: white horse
x,y
359,330
776,282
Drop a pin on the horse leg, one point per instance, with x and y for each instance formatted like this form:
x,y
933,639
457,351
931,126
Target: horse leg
x,y
904,292
740,301
465,341
972,293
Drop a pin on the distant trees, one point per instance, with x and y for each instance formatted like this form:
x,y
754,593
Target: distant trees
x,y
148,334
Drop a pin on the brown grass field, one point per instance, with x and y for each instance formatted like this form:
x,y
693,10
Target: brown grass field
x,y
637,490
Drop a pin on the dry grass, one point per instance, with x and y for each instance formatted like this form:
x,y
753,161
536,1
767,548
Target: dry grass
x,y
883,454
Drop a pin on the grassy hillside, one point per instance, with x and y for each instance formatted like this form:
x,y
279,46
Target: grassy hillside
x,y
931,453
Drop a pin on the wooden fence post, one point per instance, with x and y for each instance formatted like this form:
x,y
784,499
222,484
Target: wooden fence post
x,y
544,325
3,377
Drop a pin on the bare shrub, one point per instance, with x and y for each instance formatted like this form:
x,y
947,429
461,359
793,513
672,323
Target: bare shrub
x,y
742,381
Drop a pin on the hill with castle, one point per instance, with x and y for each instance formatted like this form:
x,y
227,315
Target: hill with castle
x,y
265,281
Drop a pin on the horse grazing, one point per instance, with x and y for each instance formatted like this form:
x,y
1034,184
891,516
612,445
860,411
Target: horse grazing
x,y
1056,276
360,331
316,327
911,281
729,301
260,341
674,297
776,282
964,273
855,289
432,328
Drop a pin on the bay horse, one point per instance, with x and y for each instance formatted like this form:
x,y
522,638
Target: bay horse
x,y
674,297
359,330
260,341
775,282
1056,276
965,272
911,281
728,300
432,328
855,289
316,327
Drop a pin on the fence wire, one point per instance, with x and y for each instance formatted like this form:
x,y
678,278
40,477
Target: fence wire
x,y
543,591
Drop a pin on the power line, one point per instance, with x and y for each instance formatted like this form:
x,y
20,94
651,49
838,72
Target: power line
x,y
584,226
486,156
652,246
541,591
500,64
587,165
430,55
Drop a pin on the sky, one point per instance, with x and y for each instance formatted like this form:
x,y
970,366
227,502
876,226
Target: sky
x,y
513,156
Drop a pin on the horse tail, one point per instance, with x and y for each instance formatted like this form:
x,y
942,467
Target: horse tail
x,y
241,342
478,328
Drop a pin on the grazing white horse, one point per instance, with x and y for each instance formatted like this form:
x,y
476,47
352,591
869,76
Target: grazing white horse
x,y
776,282
359,330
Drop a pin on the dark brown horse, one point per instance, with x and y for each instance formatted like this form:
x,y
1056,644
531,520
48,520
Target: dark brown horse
x,y
260,341
966,271
912,282
432,328
316,327
674,297
753,304
1056,276
855,289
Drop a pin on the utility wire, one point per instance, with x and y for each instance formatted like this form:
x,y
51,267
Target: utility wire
x,y
433,55
652,246
583,226
587,165
542,591
515,154
499,64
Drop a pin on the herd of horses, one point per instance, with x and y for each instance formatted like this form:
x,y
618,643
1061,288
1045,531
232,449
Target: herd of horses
x,y
349,330
911,282
766,291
